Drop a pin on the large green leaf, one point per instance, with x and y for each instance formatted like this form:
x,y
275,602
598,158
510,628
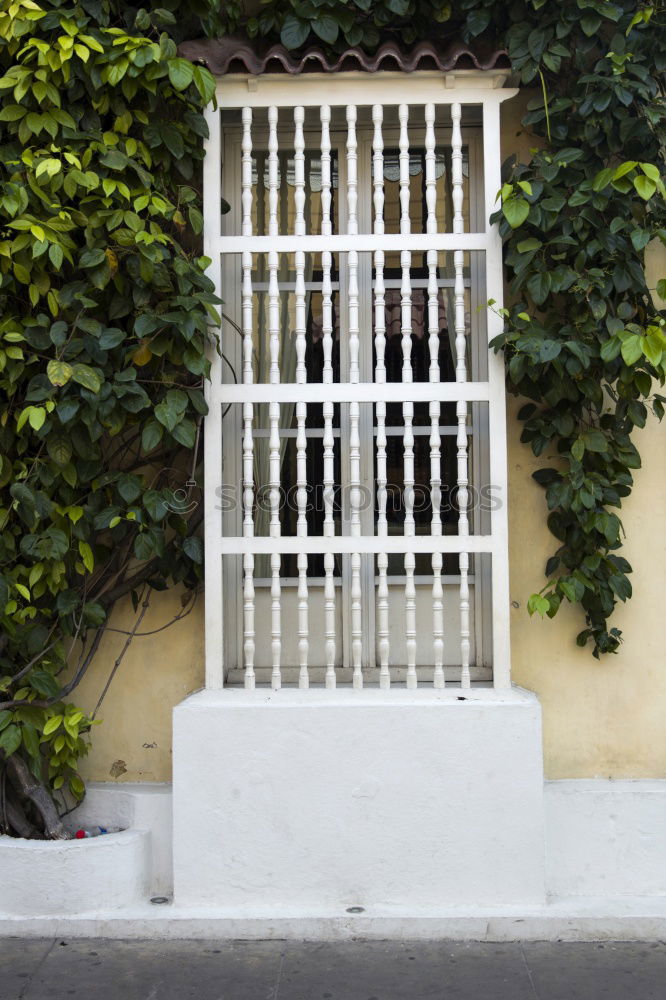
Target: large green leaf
x,y
181,73
645,187
193,547
129,487
12,112
294,32
478,21
632,349
170,411
538,285
398,7
59,447
87,377
59,372
10,740
151,436
185,433
515,211
204,81
326,28
525,246
31,741
595,440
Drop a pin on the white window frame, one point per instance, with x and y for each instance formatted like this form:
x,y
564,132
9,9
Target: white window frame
x,y
233,428
237,91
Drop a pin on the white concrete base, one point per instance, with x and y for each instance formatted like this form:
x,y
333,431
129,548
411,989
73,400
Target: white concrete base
x,y
110,872
145,806
603,838
322,800
598,832
560,920
74,876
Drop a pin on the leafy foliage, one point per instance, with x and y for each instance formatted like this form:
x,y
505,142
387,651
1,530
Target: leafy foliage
x,y
104,313
340,24
582,338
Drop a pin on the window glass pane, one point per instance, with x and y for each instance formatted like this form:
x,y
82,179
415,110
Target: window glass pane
x,y
417,200
288,505
286,189
314,319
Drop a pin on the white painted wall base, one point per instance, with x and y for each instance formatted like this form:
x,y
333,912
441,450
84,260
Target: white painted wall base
x,y
324,800
606,838
602,838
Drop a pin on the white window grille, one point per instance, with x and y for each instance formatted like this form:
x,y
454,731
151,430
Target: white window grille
x,y
356,524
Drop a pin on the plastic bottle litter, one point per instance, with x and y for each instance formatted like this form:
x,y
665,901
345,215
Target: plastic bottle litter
x,y
95,831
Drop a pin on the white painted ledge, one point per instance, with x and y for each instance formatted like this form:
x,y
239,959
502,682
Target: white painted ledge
x,y
347,698
559,920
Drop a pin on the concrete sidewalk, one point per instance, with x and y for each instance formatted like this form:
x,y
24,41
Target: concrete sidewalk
x,y
59,969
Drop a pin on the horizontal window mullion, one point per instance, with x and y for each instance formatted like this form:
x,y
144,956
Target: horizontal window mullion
x,y
292,432
361,243
348,392
290,286
418,430
344,544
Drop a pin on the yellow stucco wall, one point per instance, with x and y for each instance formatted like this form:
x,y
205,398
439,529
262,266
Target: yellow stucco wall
x,y
601,719
133,743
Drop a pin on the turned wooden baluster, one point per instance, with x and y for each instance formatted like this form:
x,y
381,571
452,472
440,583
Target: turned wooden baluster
x,y
380,378
248,409
354,407
407,407
327,379
461,376
434,409
274,408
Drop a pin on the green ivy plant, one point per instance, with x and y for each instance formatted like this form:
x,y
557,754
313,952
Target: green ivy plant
x,y
583,340
104,314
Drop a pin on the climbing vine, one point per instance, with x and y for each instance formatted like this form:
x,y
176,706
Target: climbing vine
x,y
104,311
583,340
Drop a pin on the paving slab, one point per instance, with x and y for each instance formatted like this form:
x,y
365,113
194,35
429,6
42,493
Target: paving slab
x,y
62,969
19,961
603,971
154,970
390,970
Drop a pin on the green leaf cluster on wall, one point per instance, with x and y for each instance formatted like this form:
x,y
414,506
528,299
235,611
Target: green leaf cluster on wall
x,y
583,339
105,311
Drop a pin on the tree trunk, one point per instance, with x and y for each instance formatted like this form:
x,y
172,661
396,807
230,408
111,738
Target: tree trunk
x,y
14,820
28,787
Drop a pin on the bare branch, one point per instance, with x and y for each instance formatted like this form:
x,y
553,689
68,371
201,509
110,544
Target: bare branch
x,y
128,640
24,670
